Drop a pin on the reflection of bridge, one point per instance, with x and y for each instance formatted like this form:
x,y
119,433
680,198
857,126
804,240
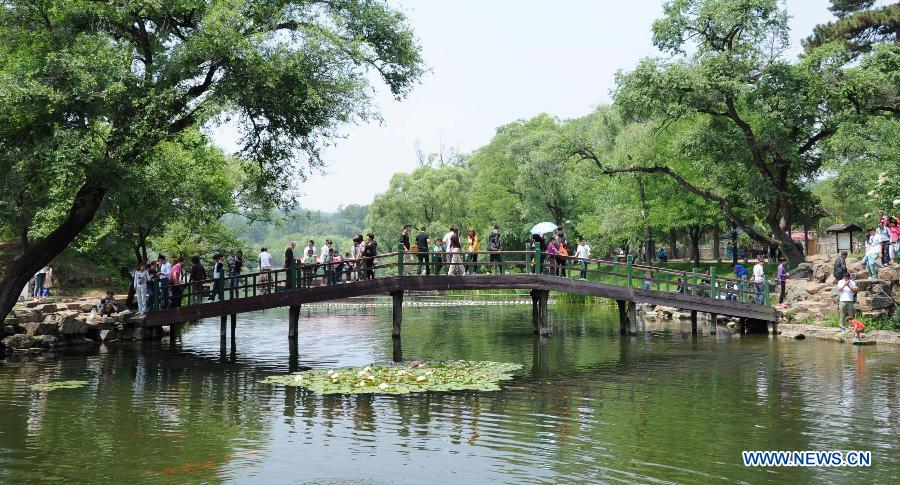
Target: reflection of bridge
x,y
626,283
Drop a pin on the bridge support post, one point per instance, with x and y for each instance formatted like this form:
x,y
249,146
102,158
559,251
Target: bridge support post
x,y
714,321
397,313
293,323
535,311
223,324
233,331
174,332
544,320
623,317
632,317
693,322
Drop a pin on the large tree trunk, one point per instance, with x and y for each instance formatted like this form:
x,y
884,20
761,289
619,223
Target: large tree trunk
x,y
717,255
734,246
673,244
35,257
694,233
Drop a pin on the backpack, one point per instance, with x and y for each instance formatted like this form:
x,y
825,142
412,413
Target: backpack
x,y
494,242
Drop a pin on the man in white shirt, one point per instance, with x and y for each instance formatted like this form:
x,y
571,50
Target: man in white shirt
x,y
583,253
165,269
265,265
759,276
847,290
326,248
447,237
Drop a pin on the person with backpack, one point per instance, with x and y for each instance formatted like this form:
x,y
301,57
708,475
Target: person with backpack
x,y
198,274
840,266
494,256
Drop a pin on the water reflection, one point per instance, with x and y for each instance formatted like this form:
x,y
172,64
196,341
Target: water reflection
x,y
588,405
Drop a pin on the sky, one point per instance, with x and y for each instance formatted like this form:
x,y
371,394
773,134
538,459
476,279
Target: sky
x,y
493,62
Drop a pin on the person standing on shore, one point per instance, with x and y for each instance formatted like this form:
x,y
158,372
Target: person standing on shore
x,y
782,277
872,253
39,278
884,236
846,289
840,266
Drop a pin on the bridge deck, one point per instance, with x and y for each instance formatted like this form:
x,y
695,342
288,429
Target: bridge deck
x,y
386,285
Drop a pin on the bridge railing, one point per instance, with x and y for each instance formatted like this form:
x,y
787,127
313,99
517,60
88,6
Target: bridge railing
x,y
298,276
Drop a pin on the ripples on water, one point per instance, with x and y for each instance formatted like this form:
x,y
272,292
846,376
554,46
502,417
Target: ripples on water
x,y
588,406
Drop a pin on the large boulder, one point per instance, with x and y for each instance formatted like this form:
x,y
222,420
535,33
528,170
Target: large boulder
x,y
874,302
821,272
110,335
40,328
76,306
48,341
818,258
795,291
815,288
18,342
888,274
47,308
71,326
803,270
86,307
27,315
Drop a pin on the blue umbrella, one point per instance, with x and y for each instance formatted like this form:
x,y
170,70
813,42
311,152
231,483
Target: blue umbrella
x,y
543,228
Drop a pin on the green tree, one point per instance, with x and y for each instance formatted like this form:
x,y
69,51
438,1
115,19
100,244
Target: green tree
x,y
101,84
775,113
858,25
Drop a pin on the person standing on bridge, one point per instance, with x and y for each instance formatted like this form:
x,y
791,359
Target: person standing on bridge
x,y
218,287
176,278
494,257
235,266
198,274
422,247
446,239
406,247
438,258
265,266
165,270
369,253
583,253
759,277
290,262
140,288
456,262
472,248
356,258
309,268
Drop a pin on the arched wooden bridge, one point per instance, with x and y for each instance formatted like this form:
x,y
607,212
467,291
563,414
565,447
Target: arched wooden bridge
x,y
394,273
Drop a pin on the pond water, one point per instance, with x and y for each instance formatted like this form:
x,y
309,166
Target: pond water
x,y
589,405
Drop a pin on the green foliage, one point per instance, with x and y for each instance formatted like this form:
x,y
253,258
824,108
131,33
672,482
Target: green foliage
x,y
402,378
858,27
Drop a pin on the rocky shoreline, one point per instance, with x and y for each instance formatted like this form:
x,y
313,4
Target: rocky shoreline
x,y
68,322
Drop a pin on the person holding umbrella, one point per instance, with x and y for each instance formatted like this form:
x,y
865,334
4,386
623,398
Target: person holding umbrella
x,y
537,238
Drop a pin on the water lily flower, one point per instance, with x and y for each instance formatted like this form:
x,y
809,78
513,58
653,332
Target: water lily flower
x,y
298,378
362,372
383,386
896,201
421,378
429,373
401,372
370,377
367,369
330,371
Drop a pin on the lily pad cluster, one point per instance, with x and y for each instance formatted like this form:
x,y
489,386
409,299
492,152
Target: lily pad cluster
x,y
402,378
52,386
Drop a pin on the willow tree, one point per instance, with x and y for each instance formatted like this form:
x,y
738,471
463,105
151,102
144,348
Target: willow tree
x,y
728,70
95,86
